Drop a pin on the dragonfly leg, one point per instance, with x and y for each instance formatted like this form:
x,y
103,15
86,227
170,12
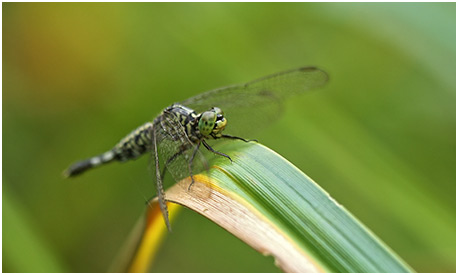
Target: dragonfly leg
x,y
239,138
196,149
214,151
159,187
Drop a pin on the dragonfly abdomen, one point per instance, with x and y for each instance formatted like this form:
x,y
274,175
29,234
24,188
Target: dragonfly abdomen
x,y
131,147
135,144
81,166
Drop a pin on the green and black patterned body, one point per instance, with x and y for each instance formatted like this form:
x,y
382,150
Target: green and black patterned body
x,y
177,133
139,141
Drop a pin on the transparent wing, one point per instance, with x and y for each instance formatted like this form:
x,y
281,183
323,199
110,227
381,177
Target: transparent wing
x,y
252,105
175,149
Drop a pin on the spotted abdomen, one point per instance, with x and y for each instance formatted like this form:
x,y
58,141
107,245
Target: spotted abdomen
x,y
130,147
135,144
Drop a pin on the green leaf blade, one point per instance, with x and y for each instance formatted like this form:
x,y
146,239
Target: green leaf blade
x,y
301,210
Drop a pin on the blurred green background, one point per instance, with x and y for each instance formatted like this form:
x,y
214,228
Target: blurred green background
x,y
77,77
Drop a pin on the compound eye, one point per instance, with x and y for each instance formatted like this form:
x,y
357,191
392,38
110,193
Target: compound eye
x,y
217,110
207,122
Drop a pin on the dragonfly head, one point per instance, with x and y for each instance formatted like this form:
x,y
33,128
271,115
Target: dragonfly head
x,y
212,123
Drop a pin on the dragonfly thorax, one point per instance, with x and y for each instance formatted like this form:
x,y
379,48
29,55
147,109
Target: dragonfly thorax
x,y
211,123
208,124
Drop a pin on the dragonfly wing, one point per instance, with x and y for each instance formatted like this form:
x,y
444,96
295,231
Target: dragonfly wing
x,y
175,148
252,105
279,86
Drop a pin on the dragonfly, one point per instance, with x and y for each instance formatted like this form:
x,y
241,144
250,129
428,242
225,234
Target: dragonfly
x,y
175,136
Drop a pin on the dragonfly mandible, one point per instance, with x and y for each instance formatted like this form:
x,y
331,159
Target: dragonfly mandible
x,y
177,133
